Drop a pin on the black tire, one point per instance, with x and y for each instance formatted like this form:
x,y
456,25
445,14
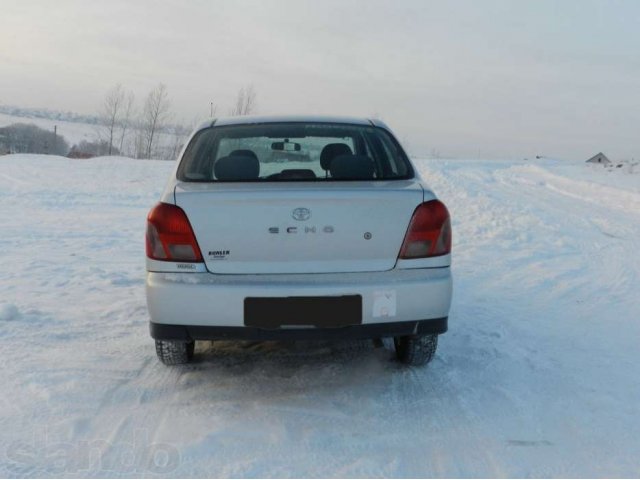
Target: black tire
x,y
416,350
174,352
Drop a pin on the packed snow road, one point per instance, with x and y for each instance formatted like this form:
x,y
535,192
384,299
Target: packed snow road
x,y
538,375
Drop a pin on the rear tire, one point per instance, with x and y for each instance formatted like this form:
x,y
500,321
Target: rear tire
x,y
416,350
174,352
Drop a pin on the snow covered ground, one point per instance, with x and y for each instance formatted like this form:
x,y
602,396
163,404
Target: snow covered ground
x,y
538,375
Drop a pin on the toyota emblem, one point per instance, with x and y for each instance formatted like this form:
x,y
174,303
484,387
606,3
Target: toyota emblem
x,y
301,214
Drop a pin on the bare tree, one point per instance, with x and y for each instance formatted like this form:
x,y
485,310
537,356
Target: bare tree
x,y
125,121
154,115
245,101
113,103
139,142
180,133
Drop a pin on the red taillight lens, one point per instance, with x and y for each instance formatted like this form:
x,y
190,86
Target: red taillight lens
x,y
429,233
170,236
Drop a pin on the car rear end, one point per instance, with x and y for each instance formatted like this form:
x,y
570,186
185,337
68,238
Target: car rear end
x,y
337,239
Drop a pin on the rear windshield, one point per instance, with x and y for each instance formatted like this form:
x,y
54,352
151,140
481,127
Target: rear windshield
x,y
293,152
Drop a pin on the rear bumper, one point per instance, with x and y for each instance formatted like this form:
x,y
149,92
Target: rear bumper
x,y
161,331
213,300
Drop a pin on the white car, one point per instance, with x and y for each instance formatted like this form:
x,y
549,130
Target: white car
x,y
337,239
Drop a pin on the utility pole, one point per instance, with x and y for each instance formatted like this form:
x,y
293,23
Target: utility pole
x,y
211,109
52,150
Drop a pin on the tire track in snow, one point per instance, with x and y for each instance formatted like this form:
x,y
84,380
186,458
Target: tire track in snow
x,y
616,221
556,272
124,417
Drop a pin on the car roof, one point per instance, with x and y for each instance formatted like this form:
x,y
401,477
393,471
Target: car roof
x,y
250,119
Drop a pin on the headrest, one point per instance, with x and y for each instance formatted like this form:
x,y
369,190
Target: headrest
x,y
238,168
352,167
243,153
331,151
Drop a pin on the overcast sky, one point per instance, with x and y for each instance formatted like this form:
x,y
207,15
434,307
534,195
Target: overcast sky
x,y
462,78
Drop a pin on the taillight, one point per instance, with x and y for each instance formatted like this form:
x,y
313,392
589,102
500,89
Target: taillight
x,y
429,233
170,236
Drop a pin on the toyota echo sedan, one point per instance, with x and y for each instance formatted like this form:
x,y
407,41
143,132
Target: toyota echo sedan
x,y
287,228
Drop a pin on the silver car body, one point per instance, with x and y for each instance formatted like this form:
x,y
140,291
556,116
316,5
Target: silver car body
x,y
333,238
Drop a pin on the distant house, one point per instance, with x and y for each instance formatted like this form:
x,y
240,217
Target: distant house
x,y
86,149
600,158
76,152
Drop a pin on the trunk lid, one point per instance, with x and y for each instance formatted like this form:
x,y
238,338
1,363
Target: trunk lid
x,y
299,227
